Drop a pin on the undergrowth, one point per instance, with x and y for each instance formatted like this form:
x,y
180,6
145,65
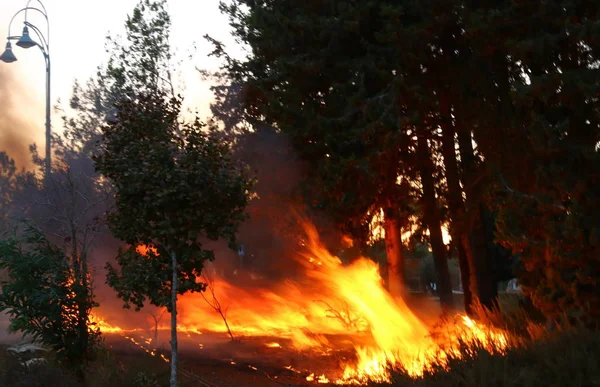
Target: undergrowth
x,y
568,358
533,357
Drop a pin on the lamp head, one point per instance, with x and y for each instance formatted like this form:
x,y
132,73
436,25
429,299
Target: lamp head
x,y
8,56
25,40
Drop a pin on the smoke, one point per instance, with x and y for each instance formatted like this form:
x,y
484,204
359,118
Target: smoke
x,y
272,234
17,132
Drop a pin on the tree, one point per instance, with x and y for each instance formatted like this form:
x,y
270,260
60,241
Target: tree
x,y
432,218
64,212
209,279
45,301
447,71
8,172
175,182
155,315
545,179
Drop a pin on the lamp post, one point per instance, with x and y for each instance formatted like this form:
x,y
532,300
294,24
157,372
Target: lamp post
x,y
25,41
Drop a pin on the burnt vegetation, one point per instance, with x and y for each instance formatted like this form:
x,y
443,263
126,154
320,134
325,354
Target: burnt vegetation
x,y
455,144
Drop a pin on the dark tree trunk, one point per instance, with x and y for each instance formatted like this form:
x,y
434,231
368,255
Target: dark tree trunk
x,y
455,201
483,282
173,379
490,293
433,222
393,250
465,272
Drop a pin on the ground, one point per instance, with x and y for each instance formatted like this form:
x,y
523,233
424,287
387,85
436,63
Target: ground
x,y
213,360
129,361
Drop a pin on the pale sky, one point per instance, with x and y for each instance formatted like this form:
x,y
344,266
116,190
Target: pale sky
x,y
77,37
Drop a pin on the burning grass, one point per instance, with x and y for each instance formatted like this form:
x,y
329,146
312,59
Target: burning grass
x,y
562,359
340,314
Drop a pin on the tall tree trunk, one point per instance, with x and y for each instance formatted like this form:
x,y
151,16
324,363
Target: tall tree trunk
x,y
463,250
393,250
490,293
173,381
455,201
432,220
483,282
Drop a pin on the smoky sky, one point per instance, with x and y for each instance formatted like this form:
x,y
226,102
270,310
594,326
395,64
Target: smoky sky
x,y
17,128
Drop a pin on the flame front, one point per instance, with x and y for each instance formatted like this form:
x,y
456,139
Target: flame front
x,y
334,305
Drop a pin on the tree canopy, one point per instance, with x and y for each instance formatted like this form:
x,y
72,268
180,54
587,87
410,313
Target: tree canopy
x,y
494,101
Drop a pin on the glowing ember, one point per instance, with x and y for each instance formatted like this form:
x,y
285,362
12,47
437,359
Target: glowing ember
x,y
331,300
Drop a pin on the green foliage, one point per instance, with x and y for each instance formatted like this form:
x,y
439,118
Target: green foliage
x,y
142,379
141,62
43,301
8,171
330,95
174,183
548,210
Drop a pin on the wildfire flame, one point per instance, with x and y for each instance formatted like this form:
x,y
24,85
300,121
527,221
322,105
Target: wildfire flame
x,y
104,326
334,300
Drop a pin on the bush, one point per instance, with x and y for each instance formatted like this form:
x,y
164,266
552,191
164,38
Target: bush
x,y
45,298
31,369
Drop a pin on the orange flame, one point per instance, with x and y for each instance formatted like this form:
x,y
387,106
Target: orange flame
x,y
104,326
143,249
332,300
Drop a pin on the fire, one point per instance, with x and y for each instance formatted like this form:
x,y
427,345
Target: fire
x,y
331,307
318,379
104,326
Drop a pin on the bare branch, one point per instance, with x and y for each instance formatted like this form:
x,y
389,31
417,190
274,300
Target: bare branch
x,y
213,301
345,316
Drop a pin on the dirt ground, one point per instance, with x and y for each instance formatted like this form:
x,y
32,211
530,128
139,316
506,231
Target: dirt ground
x,y
212,360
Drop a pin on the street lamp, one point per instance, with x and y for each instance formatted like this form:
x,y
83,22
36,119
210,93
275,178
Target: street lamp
x,y
25,41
